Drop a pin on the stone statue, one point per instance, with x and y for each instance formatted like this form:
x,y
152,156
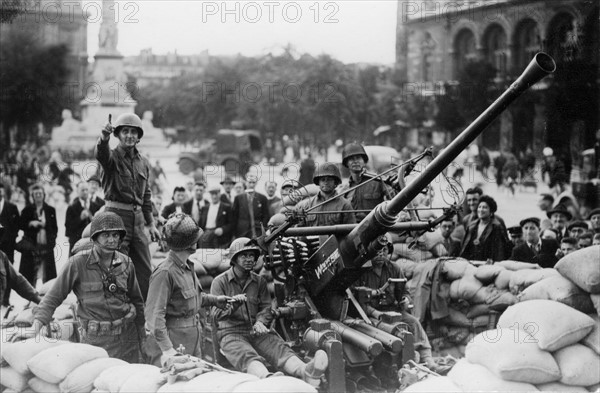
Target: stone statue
x,y
109,34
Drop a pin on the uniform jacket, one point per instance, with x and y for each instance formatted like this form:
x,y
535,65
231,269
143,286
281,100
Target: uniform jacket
x,y
11,279
337,204
84,276
241,214
371,279
493,242
125,177
545,258
235,320
368,195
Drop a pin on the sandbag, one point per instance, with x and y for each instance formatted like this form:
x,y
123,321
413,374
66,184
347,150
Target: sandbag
x,y
559,289
477,310
83,244
592,340
503,279
145,381
406,266
81,379
513,355
275,385
111,379
455,269
209,258
487,273
500,303
517,265
525,278
474,377
402,250
458,318
17,354
199,269
216,381
24,318
434,384
205,282
583,268
554,324
465,288
41,386
54,364
579,365
457,335
11,379
594,388
485,295
596,302
559,387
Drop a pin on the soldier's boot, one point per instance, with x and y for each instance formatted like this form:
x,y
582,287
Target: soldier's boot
x,y
257,368
310,372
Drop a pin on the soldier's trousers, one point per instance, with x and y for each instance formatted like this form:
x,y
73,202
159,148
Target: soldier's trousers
x,y
124,346
242,349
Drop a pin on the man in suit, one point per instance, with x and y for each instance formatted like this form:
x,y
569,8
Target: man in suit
x,y
559,219
215,220
250,211
194,206
95,201
179,197
227,184
451,244
535,249
78,215
274,200
594,218
9,218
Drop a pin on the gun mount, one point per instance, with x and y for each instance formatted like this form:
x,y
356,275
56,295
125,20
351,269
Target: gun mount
x,y
314,267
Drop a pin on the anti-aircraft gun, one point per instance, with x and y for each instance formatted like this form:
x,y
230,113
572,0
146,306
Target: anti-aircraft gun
x,y
314,308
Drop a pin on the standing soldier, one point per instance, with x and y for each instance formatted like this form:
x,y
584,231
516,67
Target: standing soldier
x,y
127,191
175,297
110,308
327,177
367,196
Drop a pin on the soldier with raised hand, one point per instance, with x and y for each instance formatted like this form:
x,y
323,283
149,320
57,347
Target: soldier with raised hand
x,y
127,190
243,330
110,308
175,297
369,195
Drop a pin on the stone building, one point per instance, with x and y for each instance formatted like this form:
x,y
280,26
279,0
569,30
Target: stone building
x,y
436,39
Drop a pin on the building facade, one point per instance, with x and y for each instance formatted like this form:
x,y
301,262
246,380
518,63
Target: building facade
x,y
437,39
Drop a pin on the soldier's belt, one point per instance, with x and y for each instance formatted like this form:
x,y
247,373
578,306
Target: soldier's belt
x,y
107,328
122,206
190,321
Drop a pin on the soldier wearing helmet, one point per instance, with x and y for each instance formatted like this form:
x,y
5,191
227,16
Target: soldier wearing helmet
x,y
127,190
368,195
327,177
242,330
175,298
110,308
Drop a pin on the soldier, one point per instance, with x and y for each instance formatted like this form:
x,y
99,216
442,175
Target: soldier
x,y
110,308
385,299
243,329
175,297
369,195
327,177
127,190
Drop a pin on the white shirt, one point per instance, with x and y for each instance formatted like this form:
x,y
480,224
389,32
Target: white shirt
x,y
1,205
211,217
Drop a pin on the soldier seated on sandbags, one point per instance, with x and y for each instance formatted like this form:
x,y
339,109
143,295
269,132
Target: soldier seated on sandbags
x,y
110,308
175,297
243,329
386,297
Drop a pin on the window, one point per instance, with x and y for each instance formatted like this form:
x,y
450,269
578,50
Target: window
x,y
464,50
496,48
527,43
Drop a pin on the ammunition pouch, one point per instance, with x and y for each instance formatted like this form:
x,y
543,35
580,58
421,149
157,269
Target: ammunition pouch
x,y
92,328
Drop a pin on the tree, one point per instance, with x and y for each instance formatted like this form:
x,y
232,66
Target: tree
x,y
33,79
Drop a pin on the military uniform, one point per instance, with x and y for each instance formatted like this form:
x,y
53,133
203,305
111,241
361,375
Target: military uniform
x,y
11,279
234,325
173,308
368,195
127,193
338,204
110,306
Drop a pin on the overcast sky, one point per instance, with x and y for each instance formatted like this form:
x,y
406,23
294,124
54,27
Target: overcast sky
x,y
350,31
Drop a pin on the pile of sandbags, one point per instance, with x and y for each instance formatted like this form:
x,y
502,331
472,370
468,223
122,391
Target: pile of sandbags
x,y
538,345
45,365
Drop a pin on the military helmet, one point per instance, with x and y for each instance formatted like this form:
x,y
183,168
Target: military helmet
x,y
107,221
181,232
241,244
131,120
327,169
290,183
353,149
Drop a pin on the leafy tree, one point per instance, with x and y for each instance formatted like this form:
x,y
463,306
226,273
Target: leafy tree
x,y
33,79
